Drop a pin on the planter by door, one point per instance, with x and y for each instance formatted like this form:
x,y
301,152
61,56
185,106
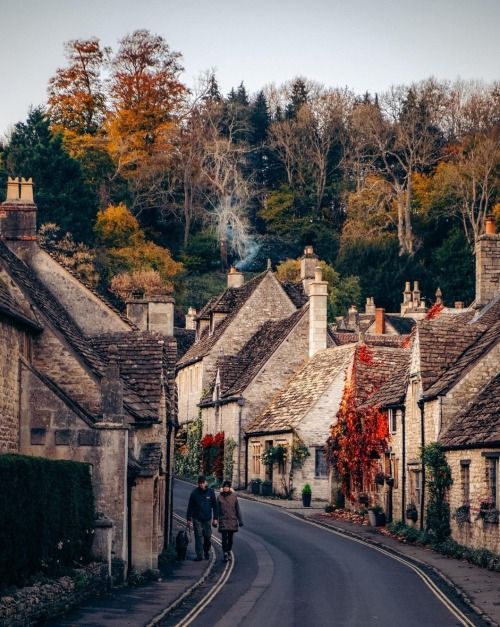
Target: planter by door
x,y
377,519
266,488
256,486
306,500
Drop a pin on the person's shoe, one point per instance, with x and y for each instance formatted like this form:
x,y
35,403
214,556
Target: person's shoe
x,y
229,555
226,557
198,559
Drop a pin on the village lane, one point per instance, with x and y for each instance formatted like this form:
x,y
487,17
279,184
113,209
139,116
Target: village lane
x,y
290,573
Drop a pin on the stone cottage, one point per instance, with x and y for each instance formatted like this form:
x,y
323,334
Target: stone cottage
x,y
82,382
451,396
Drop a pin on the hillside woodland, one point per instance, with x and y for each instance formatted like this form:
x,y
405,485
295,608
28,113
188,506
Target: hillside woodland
x,y
145,183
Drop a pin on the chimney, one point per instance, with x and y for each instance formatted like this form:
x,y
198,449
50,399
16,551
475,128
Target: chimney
x,y
416,295
154,313
308,263
318,293
379,321
439,296
112,389
353,318
459,304
487,264
191,319
370,306
18,212
235,278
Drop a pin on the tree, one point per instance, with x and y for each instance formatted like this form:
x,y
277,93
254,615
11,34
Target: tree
x,y
77,99
61,194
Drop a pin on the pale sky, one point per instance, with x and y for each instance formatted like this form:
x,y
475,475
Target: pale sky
x,y
367,45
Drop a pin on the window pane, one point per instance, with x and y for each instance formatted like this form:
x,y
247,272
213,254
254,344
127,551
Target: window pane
x,y
320,465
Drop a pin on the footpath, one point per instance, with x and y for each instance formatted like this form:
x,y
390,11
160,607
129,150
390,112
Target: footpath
x,y
141,606
478,587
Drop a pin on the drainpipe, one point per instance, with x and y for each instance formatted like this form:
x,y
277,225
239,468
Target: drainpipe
x,y
167,529
422,444
246,464
241,402
403,464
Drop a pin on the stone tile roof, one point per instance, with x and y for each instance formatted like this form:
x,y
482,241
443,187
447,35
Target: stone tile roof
x,y
302,391
229,302
150,458
392,370
237,371
143,362
11,308
185,339
58,317
376,368
295,292
478,425
462,343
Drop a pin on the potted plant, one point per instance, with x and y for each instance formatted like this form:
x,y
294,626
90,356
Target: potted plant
x,y
255,485
306,495
488,511
379,478
389,480
376,516
411,512
266,488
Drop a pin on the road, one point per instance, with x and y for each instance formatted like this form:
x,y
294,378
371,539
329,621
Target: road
x,y
290,573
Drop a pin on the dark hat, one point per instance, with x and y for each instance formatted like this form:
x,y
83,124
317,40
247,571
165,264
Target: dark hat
x,y
226,484
201,479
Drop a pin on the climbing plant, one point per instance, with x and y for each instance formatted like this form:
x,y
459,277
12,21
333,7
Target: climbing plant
x,y
188,449
229,446
438,482
212,455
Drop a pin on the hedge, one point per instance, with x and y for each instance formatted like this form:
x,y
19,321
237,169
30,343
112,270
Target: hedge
x,y
46,516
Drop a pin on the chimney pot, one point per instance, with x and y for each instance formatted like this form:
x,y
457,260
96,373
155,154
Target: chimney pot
x,y
12,188
235,278
379,321
459,304
491,225
27,190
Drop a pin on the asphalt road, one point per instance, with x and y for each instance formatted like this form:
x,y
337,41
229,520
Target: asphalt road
x,y
289,573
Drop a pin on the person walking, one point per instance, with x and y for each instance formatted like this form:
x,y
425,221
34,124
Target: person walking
x,y
229,517
202,512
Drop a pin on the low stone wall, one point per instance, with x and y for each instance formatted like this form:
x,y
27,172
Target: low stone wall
x,y
42,601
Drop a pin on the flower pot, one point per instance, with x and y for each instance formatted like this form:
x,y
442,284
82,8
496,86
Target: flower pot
x,y
266,488
489,515
306,500
256,486
376,519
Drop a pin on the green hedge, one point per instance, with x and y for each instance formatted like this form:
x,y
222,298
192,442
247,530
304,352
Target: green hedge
x,y
46,516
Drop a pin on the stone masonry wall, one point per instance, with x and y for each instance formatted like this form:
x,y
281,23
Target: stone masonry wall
x,y
476,533
10,341
43,601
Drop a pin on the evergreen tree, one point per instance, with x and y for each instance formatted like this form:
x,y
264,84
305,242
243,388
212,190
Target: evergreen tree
x,y
298,97
60,191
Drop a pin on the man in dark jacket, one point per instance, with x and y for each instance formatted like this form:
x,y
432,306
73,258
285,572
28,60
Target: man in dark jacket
x,y
202,512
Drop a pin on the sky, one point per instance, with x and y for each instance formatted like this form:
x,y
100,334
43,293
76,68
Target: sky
x,y
367,45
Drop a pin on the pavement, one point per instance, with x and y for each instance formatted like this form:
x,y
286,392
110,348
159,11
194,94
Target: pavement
x,y
140,606
149,605
478,587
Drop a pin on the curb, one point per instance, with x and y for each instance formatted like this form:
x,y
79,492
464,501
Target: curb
x,y
460,593
187,593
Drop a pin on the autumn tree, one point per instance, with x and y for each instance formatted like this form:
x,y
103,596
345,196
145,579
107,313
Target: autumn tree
x,y
77,100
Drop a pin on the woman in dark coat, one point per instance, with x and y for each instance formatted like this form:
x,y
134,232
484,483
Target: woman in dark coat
x,y
229,517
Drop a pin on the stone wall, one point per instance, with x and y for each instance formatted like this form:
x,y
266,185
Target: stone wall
x,y
44,601
476,533
11,339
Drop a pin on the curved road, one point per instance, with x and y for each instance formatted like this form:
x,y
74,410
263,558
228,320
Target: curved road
x,y
290,573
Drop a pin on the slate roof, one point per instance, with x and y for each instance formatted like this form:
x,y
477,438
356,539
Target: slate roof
x,y
478,425
59,318
229,302
11,308
295,292
237,371
302,391
452,343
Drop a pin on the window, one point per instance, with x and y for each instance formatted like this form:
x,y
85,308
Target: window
x,y
395,472
281,463
256,453
320,464
492,474
465,480
393,423
416,486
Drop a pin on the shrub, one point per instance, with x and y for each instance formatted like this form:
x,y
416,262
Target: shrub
x,y
47,514
306,489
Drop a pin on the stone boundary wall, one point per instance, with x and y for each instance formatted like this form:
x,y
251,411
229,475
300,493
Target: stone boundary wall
x,y
43,601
